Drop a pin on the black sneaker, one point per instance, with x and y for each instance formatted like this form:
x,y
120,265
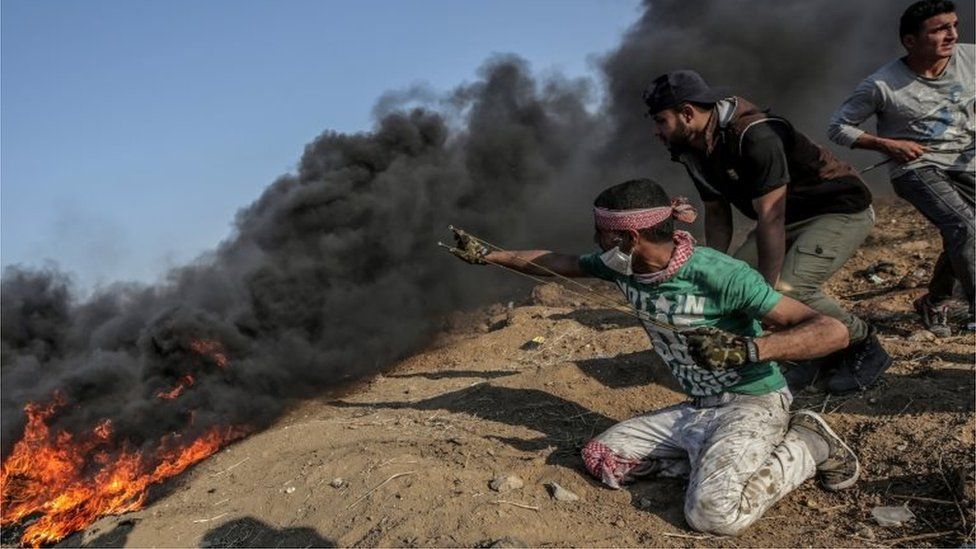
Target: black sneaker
x,y
841,469
801,374
864,362
935,318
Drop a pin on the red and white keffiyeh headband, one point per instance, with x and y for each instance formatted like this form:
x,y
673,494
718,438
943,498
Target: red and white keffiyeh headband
x,y
623,220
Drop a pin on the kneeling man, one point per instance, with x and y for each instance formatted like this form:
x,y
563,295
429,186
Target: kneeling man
x,y
703,310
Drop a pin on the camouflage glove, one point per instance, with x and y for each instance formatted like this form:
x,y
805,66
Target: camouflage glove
x,y
468,249
715,349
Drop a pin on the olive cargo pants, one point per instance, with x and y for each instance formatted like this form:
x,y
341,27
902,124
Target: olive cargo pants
x,y
815,249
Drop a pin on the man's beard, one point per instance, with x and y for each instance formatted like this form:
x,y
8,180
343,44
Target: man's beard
x,y
680,138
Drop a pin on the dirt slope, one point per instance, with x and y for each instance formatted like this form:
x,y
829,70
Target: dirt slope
x,y
417,447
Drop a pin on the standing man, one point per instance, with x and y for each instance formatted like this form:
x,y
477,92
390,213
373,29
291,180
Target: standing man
x,y
811,210
924,108
734,439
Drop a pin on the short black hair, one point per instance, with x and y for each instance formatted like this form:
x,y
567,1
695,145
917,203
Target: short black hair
x,y
917,13
637,194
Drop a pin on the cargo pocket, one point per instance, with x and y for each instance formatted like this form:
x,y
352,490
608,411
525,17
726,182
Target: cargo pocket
x,y
813,264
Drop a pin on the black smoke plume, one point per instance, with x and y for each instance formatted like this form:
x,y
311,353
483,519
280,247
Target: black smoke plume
x,y
333,273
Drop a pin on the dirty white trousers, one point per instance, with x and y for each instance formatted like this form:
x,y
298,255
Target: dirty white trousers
x,y
736,450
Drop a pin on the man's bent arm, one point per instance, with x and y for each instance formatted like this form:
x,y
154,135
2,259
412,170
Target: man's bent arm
x,y
864,103
902,150
718,225
771,233
801,333
537,262
861,105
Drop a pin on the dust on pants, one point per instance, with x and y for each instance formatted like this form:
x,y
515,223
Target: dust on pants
x,y
736,450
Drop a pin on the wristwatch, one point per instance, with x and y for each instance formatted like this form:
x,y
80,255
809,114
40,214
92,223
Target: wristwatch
x,y
752,350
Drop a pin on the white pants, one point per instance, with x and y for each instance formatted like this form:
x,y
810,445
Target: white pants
x,y
736,450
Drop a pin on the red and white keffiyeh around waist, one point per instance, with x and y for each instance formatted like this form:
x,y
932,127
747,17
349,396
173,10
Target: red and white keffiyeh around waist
x,y
645,218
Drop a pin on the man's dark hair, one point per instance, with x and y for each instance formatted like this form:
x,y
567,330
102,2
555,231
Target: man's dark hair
x,y
637,194
917,13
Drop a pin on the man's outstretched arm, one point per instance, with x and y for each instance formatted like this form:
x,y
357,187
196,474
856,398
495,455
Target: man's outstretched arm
x,y
470,249
537,262
800,333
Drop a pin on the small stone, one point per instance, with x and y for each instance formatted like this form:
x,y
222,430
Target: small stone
x,y
866,532
505,483
922,335
337,482
645,503
559,493
872,400
497,322
892,516
875,279
290,490
902,447
618,522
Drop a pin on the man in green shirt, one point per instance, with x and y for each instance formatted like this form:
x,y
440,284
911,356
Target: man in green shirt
x,y
734,439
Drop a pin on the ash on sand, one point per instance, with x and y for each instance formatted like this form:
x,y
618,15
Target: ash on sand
x,y
479,405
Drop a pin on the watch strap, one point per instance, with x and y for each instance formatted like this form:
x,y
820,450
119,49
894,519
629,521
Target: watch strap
x,y
752,350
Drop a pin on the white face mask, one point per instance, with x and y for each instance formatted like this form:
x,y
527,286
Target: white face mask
x,y
617,260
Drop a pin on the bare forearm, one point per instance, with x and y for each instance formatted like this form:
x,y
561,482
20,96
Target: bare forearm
x,y
718,226
718,238
901,150
871,142
816,337
771,243
537,262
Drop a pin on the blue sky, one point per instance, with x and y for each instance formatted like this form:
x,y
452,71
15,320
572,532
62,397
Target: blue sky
x,y
131,132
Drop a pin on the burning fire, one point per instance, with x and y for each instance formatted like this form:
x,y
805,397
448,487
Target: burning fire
x,y
181,384
211,348
70,480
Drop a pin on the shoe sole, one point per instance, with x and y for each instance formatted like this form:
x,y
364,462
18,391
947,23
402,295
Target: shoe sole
x,y
847,483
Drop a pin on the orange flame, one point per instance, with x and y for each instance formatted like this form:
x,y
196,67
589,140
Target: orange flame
x,y
70,480
181,384
211,348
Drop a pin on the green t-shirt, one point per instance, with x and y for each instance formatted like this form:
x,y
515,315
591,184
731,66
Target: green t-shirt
x,y
710,289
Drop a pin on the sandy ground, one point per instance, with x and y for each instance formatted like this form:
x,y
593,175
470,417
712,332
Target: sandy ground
x,y
405,458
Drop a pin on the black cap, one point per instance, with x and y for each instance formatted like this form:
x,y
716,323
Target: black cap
x,y
676,87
